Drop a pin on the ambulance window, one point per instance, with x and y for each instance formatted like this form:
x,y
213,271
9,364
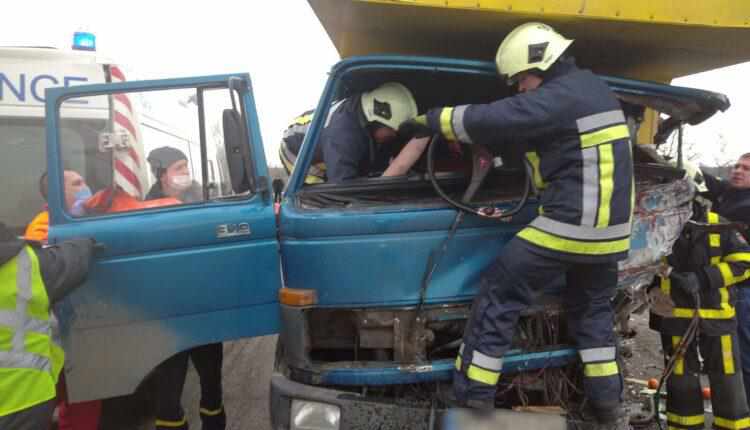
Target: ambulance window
x,y
23,162
146,150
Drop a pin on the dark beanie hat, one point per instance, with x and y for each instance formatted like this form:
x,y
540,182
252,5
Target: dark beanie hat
x,y
162,158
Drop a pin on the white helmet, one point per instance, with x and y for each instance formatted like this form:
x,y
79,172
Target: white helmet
x,y
389,104
529,46
694,174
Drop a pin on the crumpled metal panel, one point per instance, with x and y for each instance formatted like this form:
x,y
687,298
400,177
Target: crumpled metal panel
x,y
661,211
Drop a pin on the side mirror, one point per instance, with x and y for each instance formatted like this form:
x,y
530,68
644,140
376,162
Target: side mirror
x,y
237,151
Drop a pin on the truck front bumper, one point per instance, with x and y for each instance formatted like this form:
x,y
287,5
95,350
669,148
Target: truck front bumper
x,y
356,411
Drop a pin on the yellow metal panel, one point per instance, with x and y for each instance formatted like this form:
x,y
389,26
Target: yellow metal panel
x,y
647,39
724,13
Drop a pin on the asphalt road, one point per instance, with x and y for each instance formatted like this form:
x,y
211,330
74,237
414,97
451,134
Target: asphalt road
x,y
246,374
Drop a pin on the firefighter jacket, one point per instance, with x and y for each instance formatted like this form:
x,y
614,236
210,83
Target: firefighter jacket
x,y
578,155
720,259
344,150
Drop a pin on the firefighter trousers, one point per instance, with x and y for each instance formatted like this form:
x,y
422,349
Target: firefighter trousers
x,y
721,361
207,360
508,286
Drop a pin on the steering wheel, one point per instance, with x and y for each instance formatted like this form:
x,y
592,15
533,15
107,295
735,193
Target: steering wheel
x,y
481,164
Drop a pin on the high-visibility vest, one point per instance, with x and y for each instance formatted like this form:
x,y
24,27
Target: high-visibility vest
x,y
30,359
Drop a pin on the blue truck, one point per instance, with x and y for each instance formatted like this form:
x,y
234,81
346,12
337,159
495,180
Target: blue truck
x,y
368,283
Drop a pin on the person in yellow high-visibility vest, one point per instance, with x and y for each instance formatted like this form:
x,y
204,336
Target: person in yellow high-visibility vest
x,y
32,279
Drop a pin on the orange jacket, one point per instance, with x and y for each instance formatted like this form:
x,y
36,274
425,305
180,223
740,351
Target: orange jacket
x,y
38,228
106,201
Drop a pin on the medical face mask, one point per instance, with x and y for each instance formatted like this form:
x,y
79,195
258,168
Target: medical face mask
x,y
180,182
83,193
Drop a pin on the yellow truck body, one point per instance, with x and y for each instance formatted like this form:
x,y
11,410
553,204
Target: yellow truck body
x,y
646,39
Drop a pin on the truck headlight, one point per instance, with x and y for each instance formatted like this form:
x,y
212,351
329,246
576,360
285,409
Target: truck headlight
x,y
314,416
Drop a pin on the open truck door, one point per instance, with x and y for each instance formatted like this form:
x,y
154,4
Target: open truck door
x,y
171,272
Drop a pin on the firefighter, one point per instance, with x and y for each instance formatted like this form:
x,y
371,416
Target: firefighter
x,y
32,279
579,155
704,262
354,139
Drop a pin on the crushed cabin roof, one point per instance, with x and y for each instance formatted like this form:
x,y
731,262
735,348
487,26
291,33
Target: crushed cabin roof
x,y
644,39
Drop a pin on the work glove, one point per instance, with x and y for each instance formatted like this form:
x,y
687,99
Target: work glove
x,y
688,282
415,128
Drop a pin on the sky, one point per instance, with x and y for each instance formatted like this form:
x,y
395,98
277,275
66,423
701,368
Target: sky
x,y
282,45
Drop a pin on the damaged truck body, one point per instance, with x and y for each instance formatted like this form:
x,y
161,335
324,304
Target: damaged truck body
x,y
369,282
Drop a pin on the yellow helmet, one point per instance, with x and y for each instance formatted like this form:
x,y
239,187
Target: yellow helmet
x,y
389,104
529,46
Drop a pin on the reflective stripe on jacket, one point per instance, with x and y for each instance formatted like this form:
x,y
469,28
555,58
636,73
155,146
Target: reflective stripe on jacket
x,y
344,149
30,361
578,154
721,260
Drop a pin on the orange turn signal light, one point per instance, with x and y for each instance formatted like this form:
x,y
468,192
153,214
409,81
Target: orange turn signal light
x,y
297,297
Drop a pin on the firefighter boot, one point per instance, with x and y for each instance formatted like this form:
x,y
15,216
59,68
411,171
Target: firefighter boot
x,y
213,419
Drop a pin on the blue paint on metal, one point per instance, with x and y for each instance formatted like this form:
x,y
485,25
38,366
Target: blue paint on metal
x,y
165,269
440,370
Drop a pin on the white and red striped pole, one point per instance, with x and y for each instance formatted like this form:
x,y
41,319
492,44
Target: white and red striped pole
x,y
130,173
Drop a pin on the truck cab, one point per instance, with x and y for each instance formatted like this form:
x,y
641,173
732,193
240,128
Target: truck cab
x,y
368,282
340,271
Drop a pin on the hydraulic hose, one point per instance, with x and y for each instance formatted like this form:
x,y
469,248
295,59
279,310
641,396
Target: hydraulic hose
x,y
463,206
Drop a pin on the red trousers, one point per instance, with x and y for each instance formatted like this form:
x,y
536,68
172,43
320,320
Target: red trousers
x,y
76,416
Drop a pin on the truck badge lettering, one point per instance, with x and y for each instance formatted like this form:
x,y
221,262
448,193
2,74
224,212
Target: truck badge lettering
x,y
232,230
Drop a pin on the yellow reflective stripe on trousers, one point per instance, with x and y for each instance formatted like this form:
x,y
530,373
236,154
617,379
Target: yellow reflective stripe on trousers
x,y
481,375
211,412
596,370
606,183
679,367
606,135
726,354
724,423
550,241
478,374
172,424
446,123
688,420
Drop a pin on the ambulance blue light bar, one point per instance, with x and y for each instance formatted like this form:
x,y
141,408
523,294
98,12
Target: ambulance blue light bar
x,y
84,41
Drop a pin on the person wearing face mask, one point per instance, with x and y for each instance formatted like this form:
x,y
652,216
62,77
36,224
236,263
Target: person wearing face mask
x,y
76,194
83,415
171,170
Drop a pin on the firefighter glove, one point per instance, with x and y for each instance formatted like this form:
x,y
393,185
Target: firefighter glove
x,y
415,127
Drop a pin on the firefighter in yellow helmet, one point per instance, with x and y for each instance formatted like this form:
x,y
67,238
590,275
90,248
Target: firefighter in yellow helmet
x,y
578,152
355,136
32,279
